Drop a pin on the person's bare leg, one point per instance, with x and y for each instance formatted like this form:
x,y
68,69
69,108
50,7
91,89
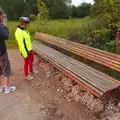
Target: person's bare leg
x,y
6,80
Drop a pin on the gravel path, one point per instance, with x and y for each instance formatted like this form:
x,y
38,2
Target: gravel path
x,y
36,99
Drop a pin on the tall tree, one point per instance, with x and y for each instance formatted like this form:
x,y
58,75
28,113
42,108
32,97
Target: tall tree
x,y
57,8
74,11
30,7
109,10
14,10
84,10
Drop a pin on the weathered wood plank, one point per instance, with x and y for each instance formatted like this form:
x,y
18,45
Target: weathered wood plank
x,y
66,42
86,85
101,83
94,50
87,72
44,36
92,55
68,61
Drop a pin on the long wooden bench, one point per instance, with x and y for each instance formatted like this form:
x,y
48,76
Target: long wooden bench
x,y
94,81
104,58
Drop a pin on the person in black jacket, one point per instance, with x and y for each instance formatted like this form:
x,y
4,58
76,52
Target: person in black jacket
x,y
5,68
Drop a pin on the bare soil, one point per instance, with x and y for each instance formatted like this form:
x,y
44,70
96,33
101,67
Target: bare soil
x,y
37,99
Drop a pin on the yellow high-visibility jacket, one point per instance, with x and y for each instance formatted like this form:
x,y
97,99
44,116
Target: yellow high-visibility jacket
x,y
24,41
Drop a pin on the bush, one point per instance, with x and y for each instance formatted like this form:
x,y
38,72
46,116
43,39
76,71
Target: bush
x,y
82,33
79,34
102,38
33,17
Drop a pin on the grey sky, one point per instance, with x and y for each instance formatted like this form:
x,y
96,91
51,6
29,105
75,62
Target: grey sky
x,y
77,2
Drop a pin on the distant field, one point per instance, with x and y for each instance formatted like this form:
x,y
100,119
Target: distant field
x,y
58,28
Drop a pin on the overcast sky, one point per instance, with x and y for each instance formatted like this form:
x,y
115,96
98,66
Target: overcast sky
x,y
78,2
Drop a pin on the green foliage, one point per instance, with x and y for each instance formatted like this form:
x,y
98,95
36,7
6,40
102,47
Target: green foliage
x,y
77,30
57,8
110,46
101,39
16,8
109,10
81,11
43,13
84,10
81,33
12,8
32,17
58,28
29,7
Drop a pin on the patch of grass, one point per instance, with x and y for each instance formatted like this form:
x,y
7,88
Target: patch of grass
x,y
58,28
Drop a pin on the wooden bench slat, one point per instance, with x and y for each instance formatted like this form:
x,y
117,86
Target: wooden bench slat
x,y
81,65
87,48
88,86
82,50
99,74
89,55
78,71
81,46
84,72
76,68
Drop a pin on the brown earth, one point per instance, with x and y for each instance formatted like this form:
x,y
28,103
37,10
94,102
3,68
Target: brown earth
x,y
36,99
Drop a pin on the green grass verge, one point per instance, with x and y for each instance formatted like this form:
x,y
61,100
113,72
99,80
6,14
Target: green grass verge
x,y
58,28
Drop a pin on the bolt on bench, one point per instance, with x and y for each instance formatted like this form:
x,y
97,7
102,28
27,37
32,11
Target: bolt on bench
x,y
93,80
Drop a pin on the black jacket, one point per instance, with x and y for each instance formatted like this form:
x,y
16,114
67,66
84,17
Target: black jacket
x,y
4,34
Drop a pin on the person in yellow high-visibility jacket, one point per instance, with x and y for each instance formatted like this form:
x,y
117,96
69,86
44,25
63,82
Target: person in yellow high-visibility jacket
x,y
25,46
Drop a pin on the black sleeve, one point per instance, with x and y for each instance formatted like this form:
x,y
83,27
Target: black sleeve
x,y
4,33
